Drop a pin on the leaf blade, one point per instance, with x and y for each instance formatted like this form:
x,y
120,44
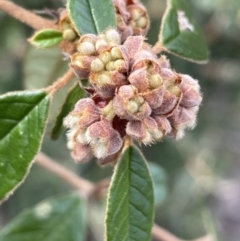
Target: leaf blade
x,y
23,117
66,213
188,43
130,200
75,94
46,38
89,16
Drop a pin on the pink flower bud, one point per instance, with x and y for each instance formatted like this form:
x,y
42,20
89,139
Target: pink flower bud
x,y
81,65
154,97
163,124
145,131
170,102
191,92
183,118
81,153
129,105
86,111
139,79
104,140
134,44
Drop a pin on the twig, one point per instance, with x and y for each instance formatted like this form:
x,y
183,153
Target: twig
x,y
158,48
61,82
85,187
26,16
163,235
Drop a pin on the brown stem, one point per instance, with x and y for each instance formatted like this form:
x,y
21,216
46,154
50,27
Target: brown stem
x,y
85,187
25,16
163,235
158,48
61,82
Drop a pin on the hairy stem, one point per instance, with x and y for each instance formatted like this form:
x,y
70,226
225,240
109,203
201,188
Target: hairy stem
x,y
158,48
85,187
26,16
61,82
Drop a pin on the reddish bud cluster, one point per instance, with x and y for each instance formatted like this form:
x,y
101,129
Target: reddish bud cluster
x,y
133,93
132,18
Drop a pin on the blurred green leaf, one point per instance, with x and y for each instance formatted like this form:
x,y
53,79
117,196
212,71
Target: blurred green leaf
x,y
46,38
210,225
23,116
75,94
130,202
43,67
180,33
56,219
159,182
92,16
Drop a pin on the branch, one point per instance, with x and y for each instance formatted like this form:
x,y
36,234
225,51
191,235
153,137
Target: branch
x,y
85,187
61,82
158,48
26,16
163,235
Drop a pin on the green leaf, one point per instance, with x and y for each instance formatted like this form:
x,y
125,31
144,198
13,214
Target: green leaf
x,y
23,117
130,202
73,96
188,43
159,182
42,67
92,16
56,219
46,38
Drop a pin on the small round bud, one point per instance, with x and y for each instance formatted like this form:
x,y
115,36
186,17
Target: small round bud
x,y
139,100
104,79
155,81
142,22
113,36
105,57
100,43
110,66
136,13
69,34
86,48
132,106
116,53
175,90
133,24
97,65
118,64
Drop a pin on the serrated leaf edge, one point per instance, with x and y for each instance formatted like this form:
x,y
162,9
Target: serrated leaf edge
x,y
32,162
126,146
160,37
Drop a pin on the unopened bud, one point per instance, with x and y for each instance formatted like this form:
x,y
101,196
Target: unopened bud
x,y
132,107
69,34
103,79
105,57
155,81
113,36
97,65
142,22
116,53
110,66
119,64
100,44
86,48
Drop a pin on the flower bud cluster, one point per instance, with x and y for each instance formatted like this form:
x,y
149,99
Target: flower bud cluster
x,y
67,27
133,92
131,17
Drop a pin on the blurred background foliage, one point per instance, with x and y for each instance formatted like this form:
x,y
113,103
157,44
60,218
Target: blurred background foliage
x,y
197,175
